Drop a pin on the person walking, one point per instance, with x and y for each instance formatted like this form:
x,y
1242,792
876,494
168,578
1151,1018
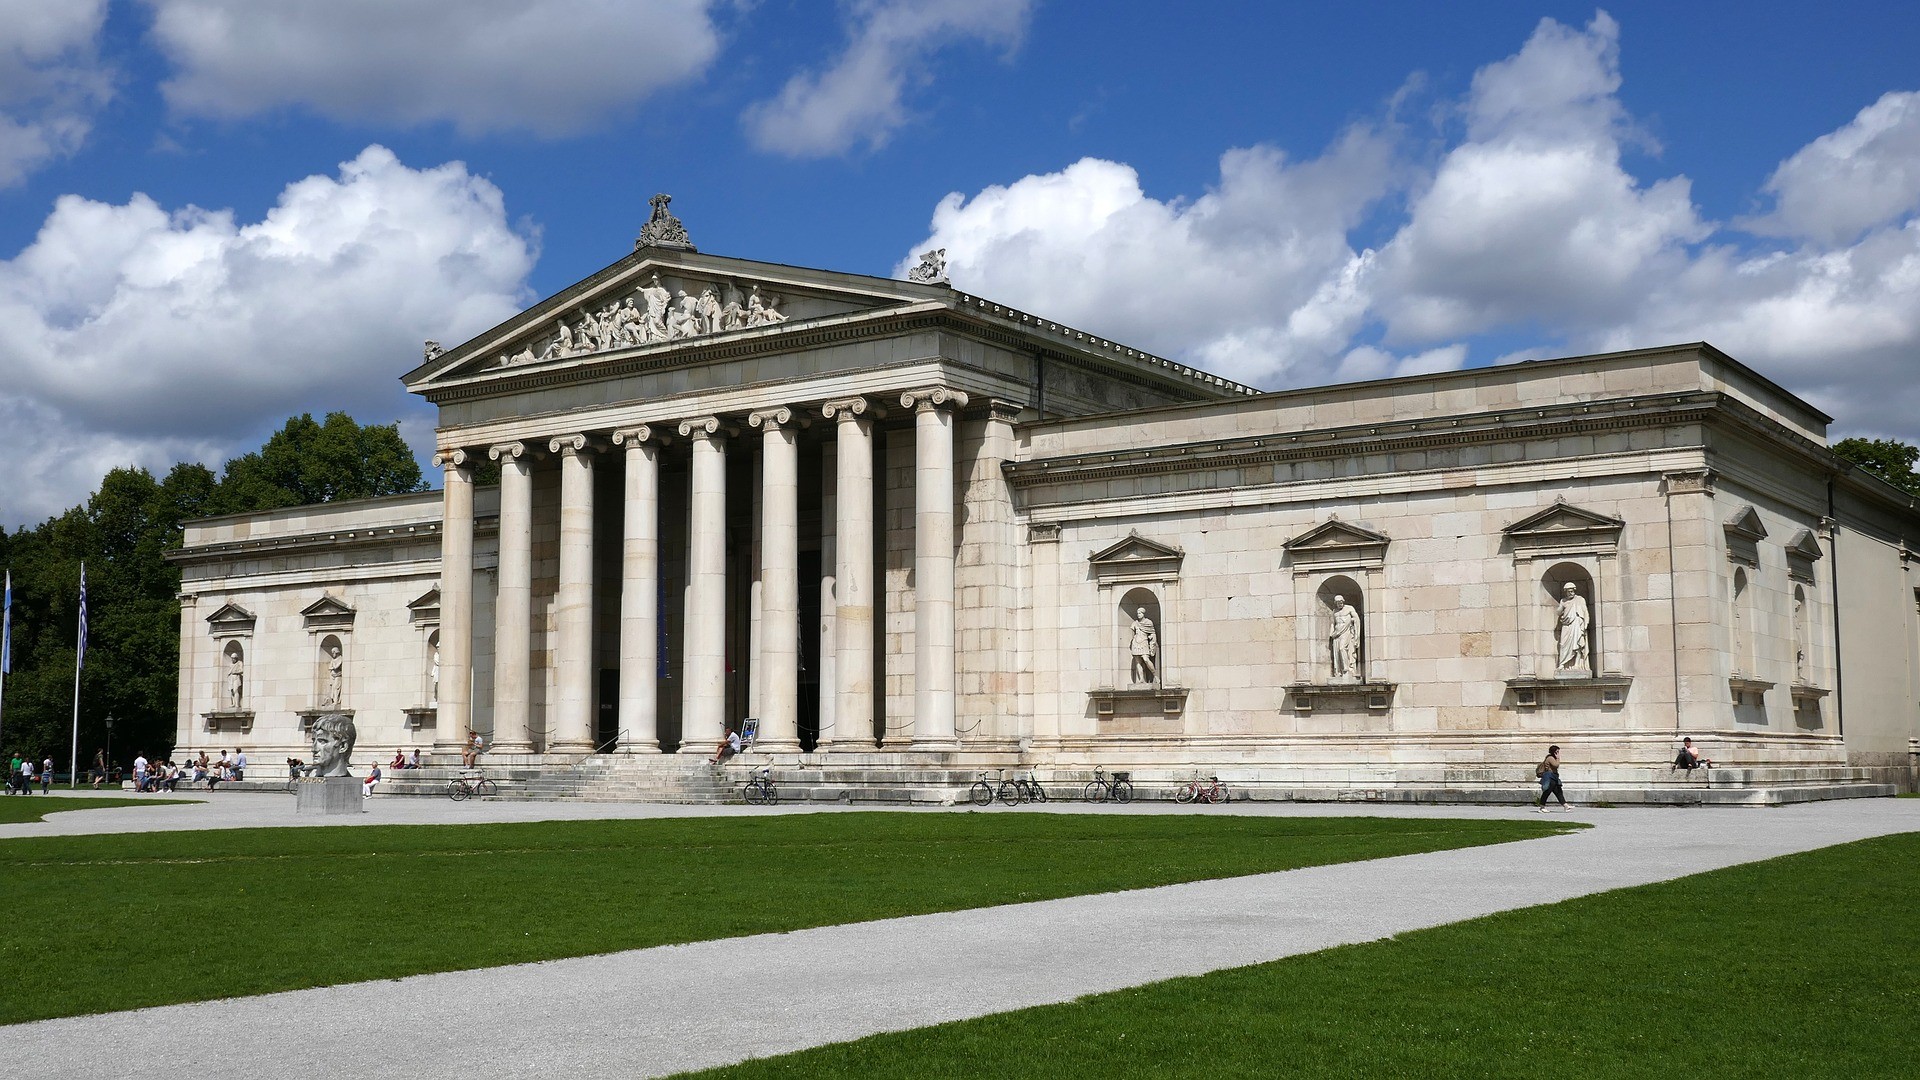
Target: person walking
x,y
46,777
1548,772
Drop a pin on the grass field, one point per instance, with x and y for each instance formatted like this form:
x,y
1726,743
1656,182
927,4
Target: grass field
x,y
1801,966
15,809
146,919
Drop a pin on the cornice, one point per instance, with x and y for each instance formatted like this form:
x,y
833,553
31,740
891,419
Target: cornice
x,y
329,540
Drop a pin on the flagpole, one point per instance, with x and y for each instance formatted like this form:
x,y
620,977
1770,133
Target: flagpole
x,y
79,659
6,653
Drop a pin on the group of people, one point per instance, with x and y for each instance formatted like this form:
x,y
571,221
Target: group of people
x,y
168,775
1548,772
22,775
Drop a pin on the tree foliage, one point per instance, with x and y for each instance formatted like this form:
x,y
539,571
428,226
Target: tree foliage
x,y
123,533
1889,459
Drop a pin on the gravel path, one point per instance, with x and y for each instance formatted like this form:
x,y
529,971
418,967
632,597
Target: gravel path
x,y
652,1012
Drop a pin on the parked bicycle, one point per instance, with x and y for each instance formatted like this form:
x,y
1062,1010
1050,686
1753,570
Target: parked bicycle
x,y
468,785
1118,787
1209,790
1030,788
759,789
984,790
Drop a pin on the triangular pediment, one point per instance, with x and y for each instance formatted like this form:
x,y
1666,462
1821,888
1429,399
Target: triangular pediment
x,y
426,600
1804,546
1564,519
326,606
231,618
1747,525
1135,549
1336,535
656,301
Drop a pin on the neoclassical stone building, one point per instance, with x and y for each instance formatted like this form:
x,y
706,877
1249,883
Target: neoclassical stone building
x,y
909,527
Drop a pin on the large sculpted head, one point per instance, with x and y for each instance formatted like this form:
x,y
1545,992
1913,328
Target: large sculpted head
x,y
333,737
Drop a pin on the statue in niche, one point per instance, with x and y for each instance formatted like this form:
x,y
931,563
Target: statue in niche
x,y
336,671
1144,646
658,299
1343,638
433,679
1572,621
333,736
683,319
236,681
1799,640
733,313
708,308
932,269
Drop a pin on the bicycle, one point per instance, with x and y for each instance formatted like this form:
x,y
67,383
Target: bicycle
x,y
983,790
1030,789
296,770
1118,787
468,785
759,789
1195,790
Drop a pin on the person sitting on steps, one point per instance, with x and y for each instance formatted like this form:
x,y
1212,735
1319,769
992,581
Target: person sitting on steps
x,y
728,747
1690,759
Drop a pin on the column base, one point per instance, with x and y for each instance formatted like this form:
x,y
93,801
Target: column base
x,y
776,746
571,748
935,746
639,748
508,748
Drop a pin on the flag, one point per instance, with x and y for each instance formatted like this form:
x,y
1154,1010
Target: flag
x,y
6,630
80,661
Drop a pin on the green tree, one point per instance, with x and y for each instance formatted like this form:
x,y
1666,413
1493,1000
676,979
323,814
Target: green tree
x,y
1889,459
311,462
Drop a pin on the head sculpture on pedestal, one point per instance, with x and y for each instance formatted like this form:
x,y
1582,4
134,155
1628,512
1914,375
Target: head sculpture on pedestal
x,y
333,737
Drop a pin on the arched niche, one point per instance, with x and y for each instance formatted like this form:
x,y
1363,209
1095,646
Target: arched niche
x,y
330,669
1570,646
1740,619
233,677
1335,594
1139,615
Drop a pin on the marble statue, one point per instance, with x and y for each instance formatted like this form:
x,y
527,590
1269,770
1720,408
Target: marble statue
x,y
628,325
333,737
658,298
1143,646
733,313
663,229
683,319
708,308
433,678
1343,638
760,310
236,681
432,351
336,669
932,269
1799,640
1572,622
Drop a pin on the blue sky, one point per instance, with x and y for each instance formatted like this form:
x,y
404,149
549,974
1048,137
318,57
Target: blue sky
x,y
217,213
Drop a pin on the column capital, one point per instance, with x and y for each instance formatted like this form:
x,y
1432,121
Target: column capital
x,y
771,419
705,428
852,408
1689,482
1004,411
569,445
508,451
933,397
454,456
639,436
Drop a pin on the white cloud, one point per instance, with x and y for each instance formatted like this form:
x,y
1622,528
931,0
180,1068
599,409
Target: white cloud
x,y
552,67
132,335
1527,225
862,97
51,81
1864,175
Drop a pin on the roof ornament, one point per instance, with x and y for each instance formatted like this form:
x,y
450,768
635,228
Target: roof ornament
x,y
663,230
932,269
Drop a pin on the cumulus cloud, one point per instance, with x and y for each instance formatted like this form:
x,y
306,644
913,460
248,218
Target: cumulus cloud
x,y
862,96
51,81
136,335
552,67
1526,224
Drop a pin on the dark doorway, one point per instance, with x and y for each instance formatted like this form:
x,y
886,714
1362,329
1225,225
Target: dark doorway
x,y
606,719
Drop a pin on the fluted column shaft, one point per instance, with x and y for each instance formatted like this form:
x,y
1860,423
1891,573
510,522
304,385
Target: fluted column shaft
x,y
933,663
704,695
513,603
454,709
853,566
640,595
573,603
779,658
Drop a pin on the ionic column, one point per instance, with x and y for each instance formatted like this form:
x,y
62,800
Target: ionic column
x,y
933,666
513,602
573,602
779,658
453,715
640,594
704,696
853,571
829,601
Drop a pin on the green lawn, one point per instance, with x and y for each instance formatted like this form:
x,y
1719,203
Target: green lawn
x,y
1802,966
15,809
156,918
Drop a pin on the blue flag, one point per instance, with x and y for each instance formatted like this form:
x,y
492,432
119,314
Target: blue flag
x,y
6,629
80,661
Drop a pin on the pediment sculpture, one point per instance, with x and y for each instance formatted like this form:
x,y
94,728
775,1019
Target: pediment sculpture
x,y
652,314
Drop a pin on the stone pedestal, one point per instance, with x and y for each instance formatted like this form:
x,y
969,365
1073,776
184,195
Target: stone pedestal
x,y
330,795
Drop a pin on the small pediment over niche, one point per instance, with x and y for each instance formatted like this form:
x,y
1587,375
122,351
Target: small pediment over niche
x,y
1337,543
1744,532
426,608
1565,528
327,613
1137,559
230,620
1802,552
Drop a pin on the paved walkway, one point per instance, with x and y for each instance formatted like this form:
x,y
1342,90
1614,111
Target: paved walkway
x,y
653,1012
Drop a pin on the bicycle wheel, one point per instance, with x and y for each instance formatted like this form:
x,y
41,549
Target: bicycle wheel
x,y
1039,791
981,794
1095,791
1187,794
484,788
773,794
1123,791
457,790
1220,794
291,781
753,794
1010,793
